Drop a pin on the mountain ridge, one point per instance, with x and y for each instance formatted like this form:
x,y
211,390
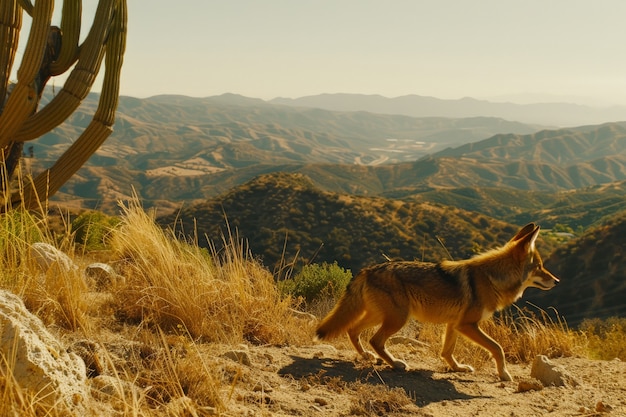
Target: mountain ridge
x,y
550,114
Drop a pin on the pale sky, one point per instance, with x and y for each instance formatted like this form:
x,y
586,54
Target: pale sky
x,y
501,50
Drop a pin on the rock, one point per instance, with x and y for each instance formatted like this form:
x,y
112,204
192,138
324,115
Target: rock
x,y
320,401
102,276
239,356
529,384
48,256
551,374
37,361
262,387
183,406
601,407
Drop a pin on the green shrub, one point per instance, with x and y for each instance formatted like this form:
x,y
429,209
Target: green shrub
x,y
91,229
317,281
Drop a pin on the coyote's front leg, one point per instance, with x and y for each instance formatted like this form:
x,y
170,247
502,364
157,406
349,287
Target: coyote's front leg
x,y
475,334
449,343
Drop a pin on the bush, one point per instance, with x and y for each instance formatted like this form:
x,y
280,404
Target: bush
x,y
317,281
606,339
92,228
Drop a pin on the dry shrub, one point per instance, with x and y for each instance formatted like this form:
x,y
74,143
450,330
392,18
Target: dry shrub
x,y
378,400
175,368
604,339
525,334
57,298
178,286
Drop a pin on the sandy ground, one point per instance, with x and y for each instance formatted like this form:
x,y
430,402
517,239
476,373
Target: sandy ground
x,y
326,381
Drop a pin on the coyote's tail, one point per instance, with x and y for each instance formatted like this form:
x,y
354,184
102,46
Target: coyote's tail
x,y
350,307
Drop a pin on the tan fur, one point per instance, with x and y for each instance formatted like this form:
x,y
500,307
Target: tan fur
x,y
457,293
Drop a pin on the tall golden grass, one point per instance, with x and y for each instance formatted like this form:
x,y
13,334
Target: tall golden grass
x,y
214,297
177,301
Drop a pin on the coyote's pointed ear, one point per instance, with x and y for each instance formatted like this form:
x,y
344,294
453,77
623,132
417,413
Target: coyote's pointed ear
x,y
530,227
527,242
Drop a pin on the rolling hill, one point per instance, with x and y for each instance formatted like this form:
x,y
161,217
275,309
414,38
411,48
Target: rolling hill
x,y
165,167
285,217
288,222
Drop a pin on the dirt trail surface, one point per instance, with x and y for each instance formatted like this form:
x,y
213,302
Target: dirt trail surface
x,y
326,381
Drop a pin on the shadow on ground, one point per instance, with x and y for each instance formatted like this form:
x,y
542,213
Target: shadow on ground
x,y
418,384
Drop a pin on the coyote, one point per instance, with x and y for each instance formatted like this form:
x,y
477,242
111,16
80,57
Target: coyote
x,y
458,293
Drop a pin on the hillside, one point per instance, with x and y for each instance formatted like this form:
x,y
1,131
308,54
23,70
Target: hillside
x,y
285,217
551,114
592,271
172,149
562,147
583,207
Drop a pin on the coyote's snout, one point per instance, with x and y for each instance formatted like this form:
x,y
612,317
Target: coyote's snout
x,y
459,293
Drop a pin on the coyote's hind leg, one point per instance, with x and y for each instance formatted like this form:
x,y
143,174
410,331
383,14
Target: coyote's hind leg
x,y
390,326
354,333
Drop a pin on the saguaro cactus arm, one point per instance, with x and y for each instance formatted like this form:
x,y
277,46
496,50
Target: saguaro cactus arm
x,y
20,122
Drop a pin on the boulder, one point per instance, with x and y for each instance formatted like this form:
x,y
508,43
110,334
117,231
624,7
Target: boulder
x,y
48,256
37,361
551,374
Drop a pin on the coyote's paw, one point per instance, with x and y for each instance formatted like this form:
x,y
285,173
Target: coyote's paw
x,y
505,375
369,356
462,368
400,365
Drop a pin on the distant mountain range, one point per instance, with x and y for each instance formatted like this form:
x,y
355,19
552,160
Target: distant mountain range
x,y
177,148
549,114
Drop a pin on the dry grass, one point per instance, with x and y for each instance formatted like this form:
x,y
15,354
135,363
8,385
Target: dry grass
x,y
214,297
155,332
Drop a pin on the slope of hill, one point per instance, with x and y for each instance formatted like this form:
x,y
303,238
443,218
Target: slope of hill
x,y
580,208
284,217
562,147
551,114
592,271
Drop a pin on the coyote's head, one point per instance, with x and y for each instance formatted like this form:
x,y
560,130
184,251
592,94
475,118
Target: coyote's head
x,y
535,275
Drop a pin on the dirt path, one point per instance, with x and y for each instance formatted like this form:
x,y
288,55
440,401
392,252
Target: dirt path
x,y
322,380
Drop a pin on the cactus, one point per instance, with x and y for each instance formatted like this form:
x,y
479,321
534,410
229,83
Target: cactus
x,y
52,51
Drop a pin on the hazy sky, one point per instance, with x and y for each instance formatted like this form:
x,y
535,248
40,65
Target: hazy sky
x,y
522,51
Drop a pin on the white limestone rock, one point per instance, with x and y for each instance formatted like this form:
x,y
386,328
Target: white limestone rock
x,y
37,360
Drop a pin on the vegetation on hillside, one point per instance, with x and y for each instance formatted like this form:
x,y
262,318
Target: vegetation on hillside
x,y
287,220
592,271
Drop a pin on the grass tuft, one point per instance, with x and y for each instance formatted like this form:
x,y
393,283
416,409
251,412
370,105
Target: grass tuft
x,y
179,287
